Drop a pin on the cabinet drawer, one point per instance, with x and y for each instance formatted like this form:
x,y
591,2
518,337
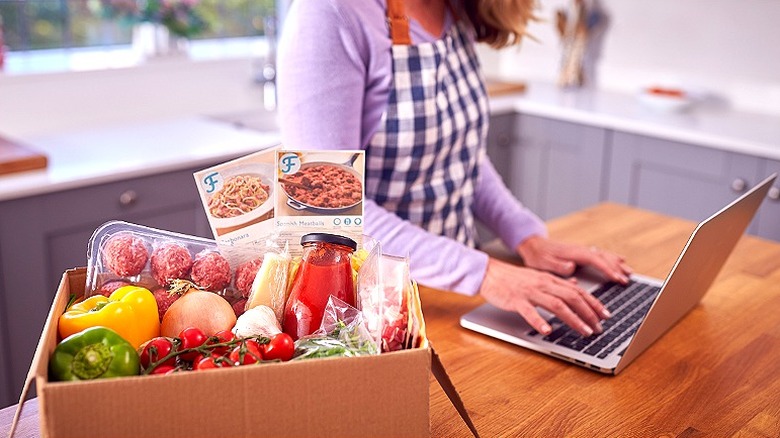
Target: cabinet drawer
x,y
124,199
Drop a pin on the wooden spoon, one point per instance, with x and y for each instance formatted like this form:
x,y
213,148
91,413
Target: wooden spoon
x,y
287,182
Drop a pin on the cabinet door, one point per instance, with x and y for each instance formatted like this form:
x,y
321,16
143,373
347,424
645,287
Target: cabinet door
x,y
501,137
44,235
500,140
769,214
557,167
678,179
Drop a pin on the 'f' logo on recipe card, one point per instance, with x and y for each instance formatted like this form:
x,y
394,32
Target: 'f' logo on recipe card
x,y
289,163
212,181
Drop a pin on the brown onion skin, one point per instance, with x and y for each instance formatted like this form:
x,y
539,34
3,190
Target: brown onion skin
x,y
204,310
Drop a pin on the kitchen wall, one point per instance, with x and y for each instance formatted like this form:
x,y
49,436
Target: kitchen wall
x,y
42,104
727,48
722,47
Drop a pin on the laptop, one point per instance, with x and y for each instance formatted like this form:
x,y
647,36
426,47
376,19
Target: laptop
x,y
644,309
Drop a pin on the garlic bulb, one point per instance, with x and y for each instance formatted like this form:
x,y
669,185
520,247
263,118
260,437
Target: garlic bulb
x,y
257,321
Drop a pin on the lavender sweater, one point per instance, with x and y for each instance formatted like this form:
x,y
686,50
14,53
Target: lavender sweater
x,y
335,72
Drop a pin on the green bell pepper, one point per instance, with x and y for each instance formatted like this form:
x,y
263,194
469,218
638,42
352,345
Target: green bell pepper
x,y
96,352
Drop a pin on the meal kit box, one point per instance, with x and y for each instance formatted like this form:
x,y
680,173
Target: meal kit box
x,y
385,395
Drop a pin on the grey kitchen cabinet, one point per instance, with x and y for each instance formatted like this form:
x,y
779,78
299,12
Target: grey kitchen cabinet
x,y
42,236
501,137
769,215
680,179
556,167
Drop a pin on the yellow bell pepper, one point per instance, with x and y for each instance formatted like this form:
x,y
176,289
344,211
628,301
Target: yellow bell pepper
x,y
131,311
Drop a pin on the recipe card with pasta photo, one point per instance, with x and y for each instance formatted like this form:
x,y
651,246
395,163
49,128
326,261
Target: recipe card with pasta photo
x,y
319,191
238,197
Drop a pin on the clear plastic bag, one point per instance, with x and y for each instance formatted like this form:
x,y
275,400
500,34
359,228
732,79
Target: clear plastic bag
x,y
343,333
397,288
271,285
167,263
370,292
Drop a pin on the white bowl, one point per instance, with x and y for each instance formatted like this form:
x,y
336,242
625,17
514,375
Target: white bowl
x,y
261,170
667,100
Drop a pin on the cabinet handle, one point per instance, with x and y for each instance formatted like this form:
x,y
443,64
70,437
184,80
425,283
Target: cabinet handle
x,y
503,140
774,193
738,185
128,198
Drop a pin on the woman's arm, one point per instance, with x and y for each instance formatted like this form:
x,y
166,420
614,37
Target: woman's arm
x,y
436,261
321,79
497,208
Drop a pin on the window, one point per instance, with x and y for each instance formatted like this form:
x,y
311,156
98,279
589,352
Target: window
x,y
56,24
44,36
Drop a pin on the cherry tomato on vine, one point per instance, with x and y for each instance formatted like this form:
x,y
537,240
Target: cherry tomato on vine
x,y
164,369
156,349
222,337
280,347
246,353
191,337
211,362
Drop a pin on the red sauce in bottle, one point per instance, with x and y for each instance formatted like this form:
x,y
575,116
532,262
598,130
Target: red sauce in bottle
x,y
325,270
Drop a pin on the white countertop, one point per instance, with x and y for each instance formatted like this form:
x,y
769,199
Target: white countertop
x,y
118,152
704,123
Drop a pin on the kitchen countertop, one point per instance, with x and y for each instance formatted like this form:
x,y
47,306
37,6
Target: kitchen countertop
x,y
706,123
117,152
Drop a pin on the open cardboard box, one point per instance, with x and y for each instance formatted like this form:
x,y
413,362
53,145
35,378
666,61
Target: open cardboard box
x,y
385,395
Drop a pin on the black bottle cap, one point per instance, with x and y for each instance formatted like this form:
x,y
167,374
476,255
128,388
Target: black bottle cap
x,y
329,238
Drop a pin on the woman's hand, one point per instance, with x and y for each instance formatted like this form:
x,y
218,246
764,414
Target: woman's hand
x,y
562,258
521,289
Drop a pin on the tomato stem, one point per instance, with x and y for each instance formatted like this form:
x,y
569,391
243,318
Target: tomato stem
x,y
204,349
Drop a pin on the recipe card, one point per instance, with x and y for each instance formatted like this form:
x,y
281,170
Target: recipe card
x,y
281,195
238,197
319,191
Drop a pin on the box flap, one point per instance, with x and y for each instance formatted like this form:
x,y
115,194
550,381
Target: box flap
x,y
449,388
38,368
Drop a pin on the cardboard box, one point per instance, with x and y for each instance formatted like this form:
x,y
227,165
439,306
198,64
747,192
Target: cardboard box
x,y
384,395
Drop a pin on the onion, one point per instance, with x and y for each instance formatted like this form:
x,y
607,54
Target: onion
x,y
204,310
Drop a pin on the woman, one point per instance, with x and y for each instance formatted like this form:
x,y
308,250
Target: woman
x,y
400,79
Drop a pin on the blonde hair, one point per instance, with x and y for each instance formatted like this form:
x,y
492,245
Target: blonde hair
x,y
500,23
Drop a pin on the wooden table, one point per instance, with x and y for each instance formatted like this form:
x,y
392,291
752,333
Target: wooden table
x,y
713,374
716,373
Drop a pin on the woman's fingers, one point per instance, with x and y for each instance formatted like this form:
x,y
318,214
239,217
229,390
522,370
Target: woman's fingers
x,y
572,305
523,289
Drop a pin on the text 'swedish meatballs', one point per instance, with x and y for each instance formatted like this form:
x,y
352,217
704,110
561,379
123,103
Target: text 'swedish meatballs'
x,y
170,261
211,271
125,255
245,276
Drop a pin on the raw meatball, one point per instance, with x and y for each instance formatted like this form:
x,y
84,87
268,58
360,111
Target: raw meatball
x,y
125,255
245,276
211,271
164,300
110,286
170,261
238,306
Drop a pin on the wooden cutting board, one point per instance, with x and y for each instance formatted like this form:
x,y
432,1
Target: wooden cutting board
x,y
16,157
500,88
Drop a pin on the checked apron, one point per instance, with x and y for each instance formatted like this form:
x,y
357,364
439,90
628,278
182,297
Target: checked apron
x,y
423,162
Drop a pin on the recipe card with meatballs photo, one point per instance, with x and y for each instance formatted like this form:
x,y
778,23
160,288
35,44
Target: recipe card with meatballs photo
x,y
319,191
238,197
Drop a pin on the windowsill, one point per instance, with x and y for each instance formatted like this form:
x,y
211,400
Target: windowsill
x,y
123,56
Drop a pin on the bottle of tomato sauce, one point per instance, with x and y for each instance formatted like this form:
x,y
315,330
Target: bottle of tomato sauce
x,y
325,270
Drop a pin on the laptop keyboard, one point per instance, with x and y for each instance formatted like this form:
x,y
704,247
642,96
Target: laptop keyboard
x,y
628,304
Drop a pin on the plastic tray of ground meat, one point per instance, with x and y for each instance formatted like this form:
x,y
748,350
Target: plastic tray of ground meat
x,y
324,187
122,253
